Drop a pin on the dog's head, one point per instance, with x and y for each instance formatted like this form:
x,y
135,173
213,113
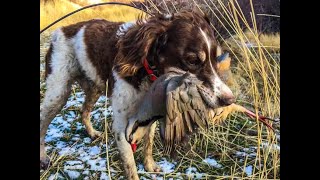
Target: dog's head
x,y
181,42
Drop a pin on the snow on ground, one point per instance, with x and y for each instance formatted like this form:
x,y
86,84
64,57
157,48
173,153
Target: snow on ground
x,y
67,136
248,170
87,156
104,176
72,174
212,162
273,147
193,173
166,166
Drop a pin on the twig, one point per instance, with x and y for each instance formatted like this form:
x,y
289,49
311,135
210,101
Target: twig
x,y
106,130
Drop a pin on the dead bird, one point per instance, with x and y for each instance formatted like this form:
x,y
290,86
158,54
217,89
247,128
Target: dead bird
x,y
182,105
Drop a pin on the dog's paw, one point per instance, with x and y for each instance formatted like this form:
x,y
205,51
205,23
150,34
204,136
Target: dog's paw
x,y
151,166
95,134
44,163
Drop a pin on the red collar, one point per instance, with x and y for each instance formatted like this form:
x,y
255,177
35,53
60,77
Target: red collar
x,y
149,70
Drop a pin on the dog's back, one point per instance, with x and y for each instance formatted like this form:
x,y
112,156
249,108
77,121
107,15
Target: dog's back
x,y
88,47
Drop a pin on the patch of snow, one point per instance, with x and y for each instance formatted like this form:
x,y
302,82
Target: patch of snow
x,y
52,177
212,162
166,166
96,116
72,174
248,170
244,154
75,100
73,165
199,175
75,139
79,94
56,128
102,99
52,134
79,126
94,150
47,148
55,176
71,103
83,155
85,172
71,116
73,162
87,140
140,168
193,173
191,170
272,146
98,164
108,111
104,176
60,145
250,152
241,154
67,151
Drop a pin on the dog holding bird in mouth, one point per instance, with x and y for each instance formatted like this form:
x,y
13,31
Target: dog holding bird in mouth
x,y
165,67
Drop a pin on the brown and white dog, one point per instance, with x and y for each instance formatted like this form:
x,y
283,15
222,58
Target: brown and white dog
x,y
95,51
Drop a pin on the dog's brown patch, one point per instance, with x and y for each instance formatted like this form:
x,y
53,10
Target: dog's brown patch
x,y
48,61
134,46
100,38
71,30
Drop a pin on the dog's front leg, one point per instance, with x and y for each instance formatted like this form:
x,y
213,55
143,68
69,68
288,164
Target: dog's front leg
x,y
124,148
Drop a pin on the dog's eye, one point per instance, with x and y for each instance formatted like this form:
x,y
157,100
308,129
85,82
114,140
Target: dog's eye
x,y
192,59
193,62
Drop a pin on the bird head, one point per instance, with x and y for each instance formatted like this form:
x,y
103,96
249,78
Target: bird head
x,y
136,130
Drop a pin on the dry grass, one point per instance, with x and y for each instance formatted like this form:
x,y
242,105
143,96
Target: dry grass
x,y
256,71
51,11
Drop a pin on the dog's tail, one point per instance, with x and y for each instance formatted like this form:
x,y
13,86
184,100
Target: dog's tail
x,y
48,61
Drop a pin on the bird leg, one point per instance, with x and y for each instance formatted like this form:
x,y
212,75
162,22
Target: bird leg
x,y
260,118
221,114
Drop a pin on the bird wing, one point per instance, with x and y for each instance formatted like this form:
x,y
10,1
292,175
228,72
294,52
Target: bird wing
x,y
186,110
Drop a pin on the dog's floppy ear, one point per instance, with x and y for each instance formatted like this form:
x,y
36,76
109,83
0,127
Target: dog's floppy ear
x,y
160,43
201,13
135,45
